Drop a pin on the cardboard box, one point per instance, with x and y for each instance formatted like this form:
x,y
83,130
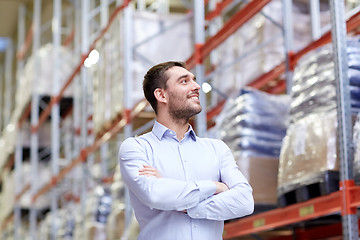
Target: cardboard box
x,y
261,172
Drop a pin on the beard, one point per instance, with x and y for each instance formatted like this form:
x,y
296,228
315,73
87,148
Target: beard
x,y
180,110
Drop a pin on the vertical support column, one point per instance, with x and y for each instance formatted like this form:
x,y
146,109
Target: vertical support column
x,y
19,142
104,17
84,126
214,25
141,5
128,89
34,147
315,19
163,7
55,114
77,98
128,68
8,82
338,33
288,41
199,31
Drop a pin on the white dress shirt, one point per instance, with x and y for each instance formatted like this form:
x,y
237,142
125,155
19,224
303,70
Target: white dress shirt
x,y
188,169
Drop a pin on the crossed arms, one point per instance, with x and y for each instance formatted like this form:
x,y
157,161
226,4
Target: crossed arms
x,y
151,171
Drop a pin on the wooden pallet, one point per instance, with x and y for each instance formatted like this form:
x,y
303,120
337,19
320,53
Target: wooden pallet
x,y
321,184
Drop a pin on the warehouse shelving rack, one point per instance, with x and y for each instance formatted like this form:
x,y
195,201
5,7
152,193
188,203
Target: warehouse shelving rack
x,y
202,50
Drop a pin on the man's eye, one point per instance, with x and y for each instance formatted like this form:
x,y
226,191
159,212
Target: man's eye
x,y
184,81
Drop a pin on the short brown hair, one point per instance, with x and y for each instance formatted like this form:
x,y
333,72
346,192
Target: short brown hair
x,y
156,78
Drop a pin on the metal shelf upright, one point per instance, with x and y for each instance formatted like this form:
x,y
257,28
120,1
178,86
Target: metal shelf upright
x,y
34,138
345,137
18,148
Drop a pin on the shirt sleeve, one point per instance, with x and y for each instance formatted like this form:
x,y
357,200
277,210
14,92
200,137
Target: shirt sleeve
x,y
237,202
159,193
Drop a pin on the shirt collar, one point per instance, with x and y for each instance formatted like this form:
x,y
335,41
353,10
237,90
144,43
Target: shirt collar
x,y
159,131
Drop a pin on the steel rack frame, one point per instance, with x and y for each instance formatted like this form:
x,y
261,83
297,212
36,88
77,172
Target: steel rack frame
x,y
202,50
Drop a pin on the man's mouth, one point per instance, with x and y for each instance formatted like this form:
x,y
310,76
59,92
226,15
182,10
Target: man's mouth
x,y
194,96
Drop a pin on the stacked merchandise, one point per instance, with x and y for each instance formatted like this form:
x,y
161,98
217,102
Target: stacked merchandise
x,y
308,156
356,140
257,47
253,125
43,88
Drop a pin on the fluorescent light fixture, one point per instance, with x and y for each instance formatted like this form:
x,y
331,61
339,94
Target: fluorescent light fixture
x,y
87,63
92,59
94,56
206,87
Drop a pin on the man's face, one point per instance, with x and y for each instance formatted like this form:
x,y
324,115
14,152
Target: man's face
x,y
183,93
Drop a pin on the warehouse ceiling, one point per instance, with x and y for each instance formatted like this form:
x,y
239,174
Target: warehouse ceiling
x,y
9,14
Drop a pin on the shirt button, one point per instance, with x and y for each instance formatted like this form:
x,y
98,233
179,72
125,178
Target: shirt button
x,y
194,226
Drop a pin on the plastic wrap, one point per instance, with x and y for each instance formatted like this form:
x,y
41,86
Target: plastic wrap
x,y
314,86
309,149
356,140
254,123
245,61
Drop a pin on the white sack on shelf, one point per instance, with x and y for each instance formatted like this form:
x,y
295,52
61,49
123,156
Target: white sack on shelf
x,y
45,74
7,194
43,177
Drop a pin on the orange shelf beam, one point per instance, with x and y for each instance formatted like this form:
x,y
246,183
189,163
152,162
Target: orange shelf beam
x,y
279,217
236,21
220,6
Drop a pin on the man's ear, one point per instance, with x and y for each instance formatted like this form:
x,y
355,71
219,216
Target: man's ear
x,y
160,95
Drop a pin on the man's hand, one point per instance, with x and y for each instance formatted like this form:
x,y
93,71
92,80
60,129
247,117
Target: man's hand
x,y
149,171
220,187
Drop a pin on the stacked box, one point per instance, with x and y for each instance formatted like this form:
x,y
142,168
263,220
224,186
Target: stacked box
x,y
261,173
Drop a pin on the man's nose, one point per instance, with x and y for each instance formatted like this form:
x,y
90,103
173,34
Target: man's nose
x,y
196,85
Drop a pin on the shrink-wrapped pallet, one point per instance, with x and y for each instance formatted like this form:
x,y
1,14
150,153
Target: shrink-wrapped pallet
x,y
253,125
309,150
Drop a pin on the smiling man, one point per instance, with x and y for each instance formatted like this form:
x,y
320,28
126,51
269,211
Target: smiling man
x,y
181,186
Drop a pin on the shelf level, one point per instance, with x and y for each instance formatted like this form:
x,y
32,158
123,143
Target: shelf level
x,y
280,217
